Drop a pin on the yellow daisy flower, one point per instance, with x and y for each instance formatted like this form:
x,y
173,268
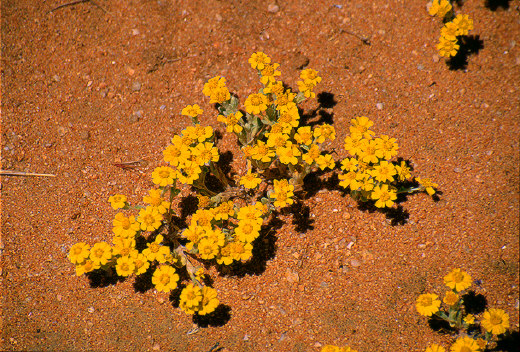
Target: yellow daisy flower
x,y
428,304
496,321
117,201
165,278
458,280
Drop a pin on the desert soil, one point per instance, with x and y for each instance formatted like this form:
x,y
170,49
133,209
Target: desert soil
x,y
100,82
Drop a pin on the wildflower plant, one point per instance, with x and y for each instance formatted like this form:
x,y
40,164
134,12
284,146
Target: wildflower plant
x,y
150,241
474,332
455,27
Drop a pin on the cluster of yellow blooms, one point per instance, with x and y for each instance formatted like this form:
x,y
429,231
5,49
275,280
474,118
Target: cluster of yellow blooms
x,y
454,27
369,172
493,321
279,153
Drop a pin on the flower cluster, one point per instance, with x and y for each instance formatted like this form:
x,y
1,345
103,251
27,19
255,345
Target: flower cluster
x,y
369,173
475,333
279,152
454,27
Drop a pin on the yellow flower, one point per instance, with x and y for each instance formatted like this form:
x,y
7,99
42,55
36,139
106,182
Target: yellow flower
x,y
192,110
201,133
256,104
209,300
384,171
269,73
232,122
258,60
165,278
219,95
465,344
193,233
450,298
101,253
289,118
203,218
156,251
125,226
496,321
383,196
190,173
323,132
251,212
306,88
213,84
288,153
310,75
449,31
428,304
262,152
206,153
303,135
312,154
458,280
403,171
368,151
282,197
79,253
439,8
241,250
154,199
203,201
447,48
86,267
361,128
481,344
350,179
163,176
353,144
150,218
125,266
141,264
224,210
428,185
469,319
250,180
226,255
208,248
117,201
464,24
247,230
325,161
124,247
386,147
349,164
435,348
277,140
190,299
176,153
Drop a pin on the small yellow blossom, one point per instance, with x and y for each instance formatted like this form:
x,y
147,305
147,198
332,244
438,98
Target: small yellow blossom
x,y
86,267
156,251
469,319
428,304
247,230
447,48
192,110
256,104
465,344
150,218
117,201
463,23
154,199
269,73
435,348
125,266
303,135
208,248
141,264
458,280
209,302
213,84
101,253
440,8
323,132
496,321
224,210
165,278
79,253
232,122
164,176
250,180
190,299
450,298
310,75
258,60
383,196
325,161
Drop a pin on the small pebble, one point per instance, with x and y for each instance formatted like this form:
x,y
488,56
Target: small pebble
x,y
457,170
135,31
420,67
91,310
136,86
84,135
59,298
435,58
273,8
246,337
218,17
136,116
379,106
355,263
156,347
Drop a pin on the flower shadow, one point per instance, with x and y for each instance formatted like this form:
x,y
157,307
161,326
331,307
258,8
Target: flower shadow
x,y
469,44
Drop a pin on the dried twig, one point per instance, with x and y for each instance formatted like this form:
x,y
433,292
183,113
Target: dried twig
x,y
75,3
127,165
22,173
